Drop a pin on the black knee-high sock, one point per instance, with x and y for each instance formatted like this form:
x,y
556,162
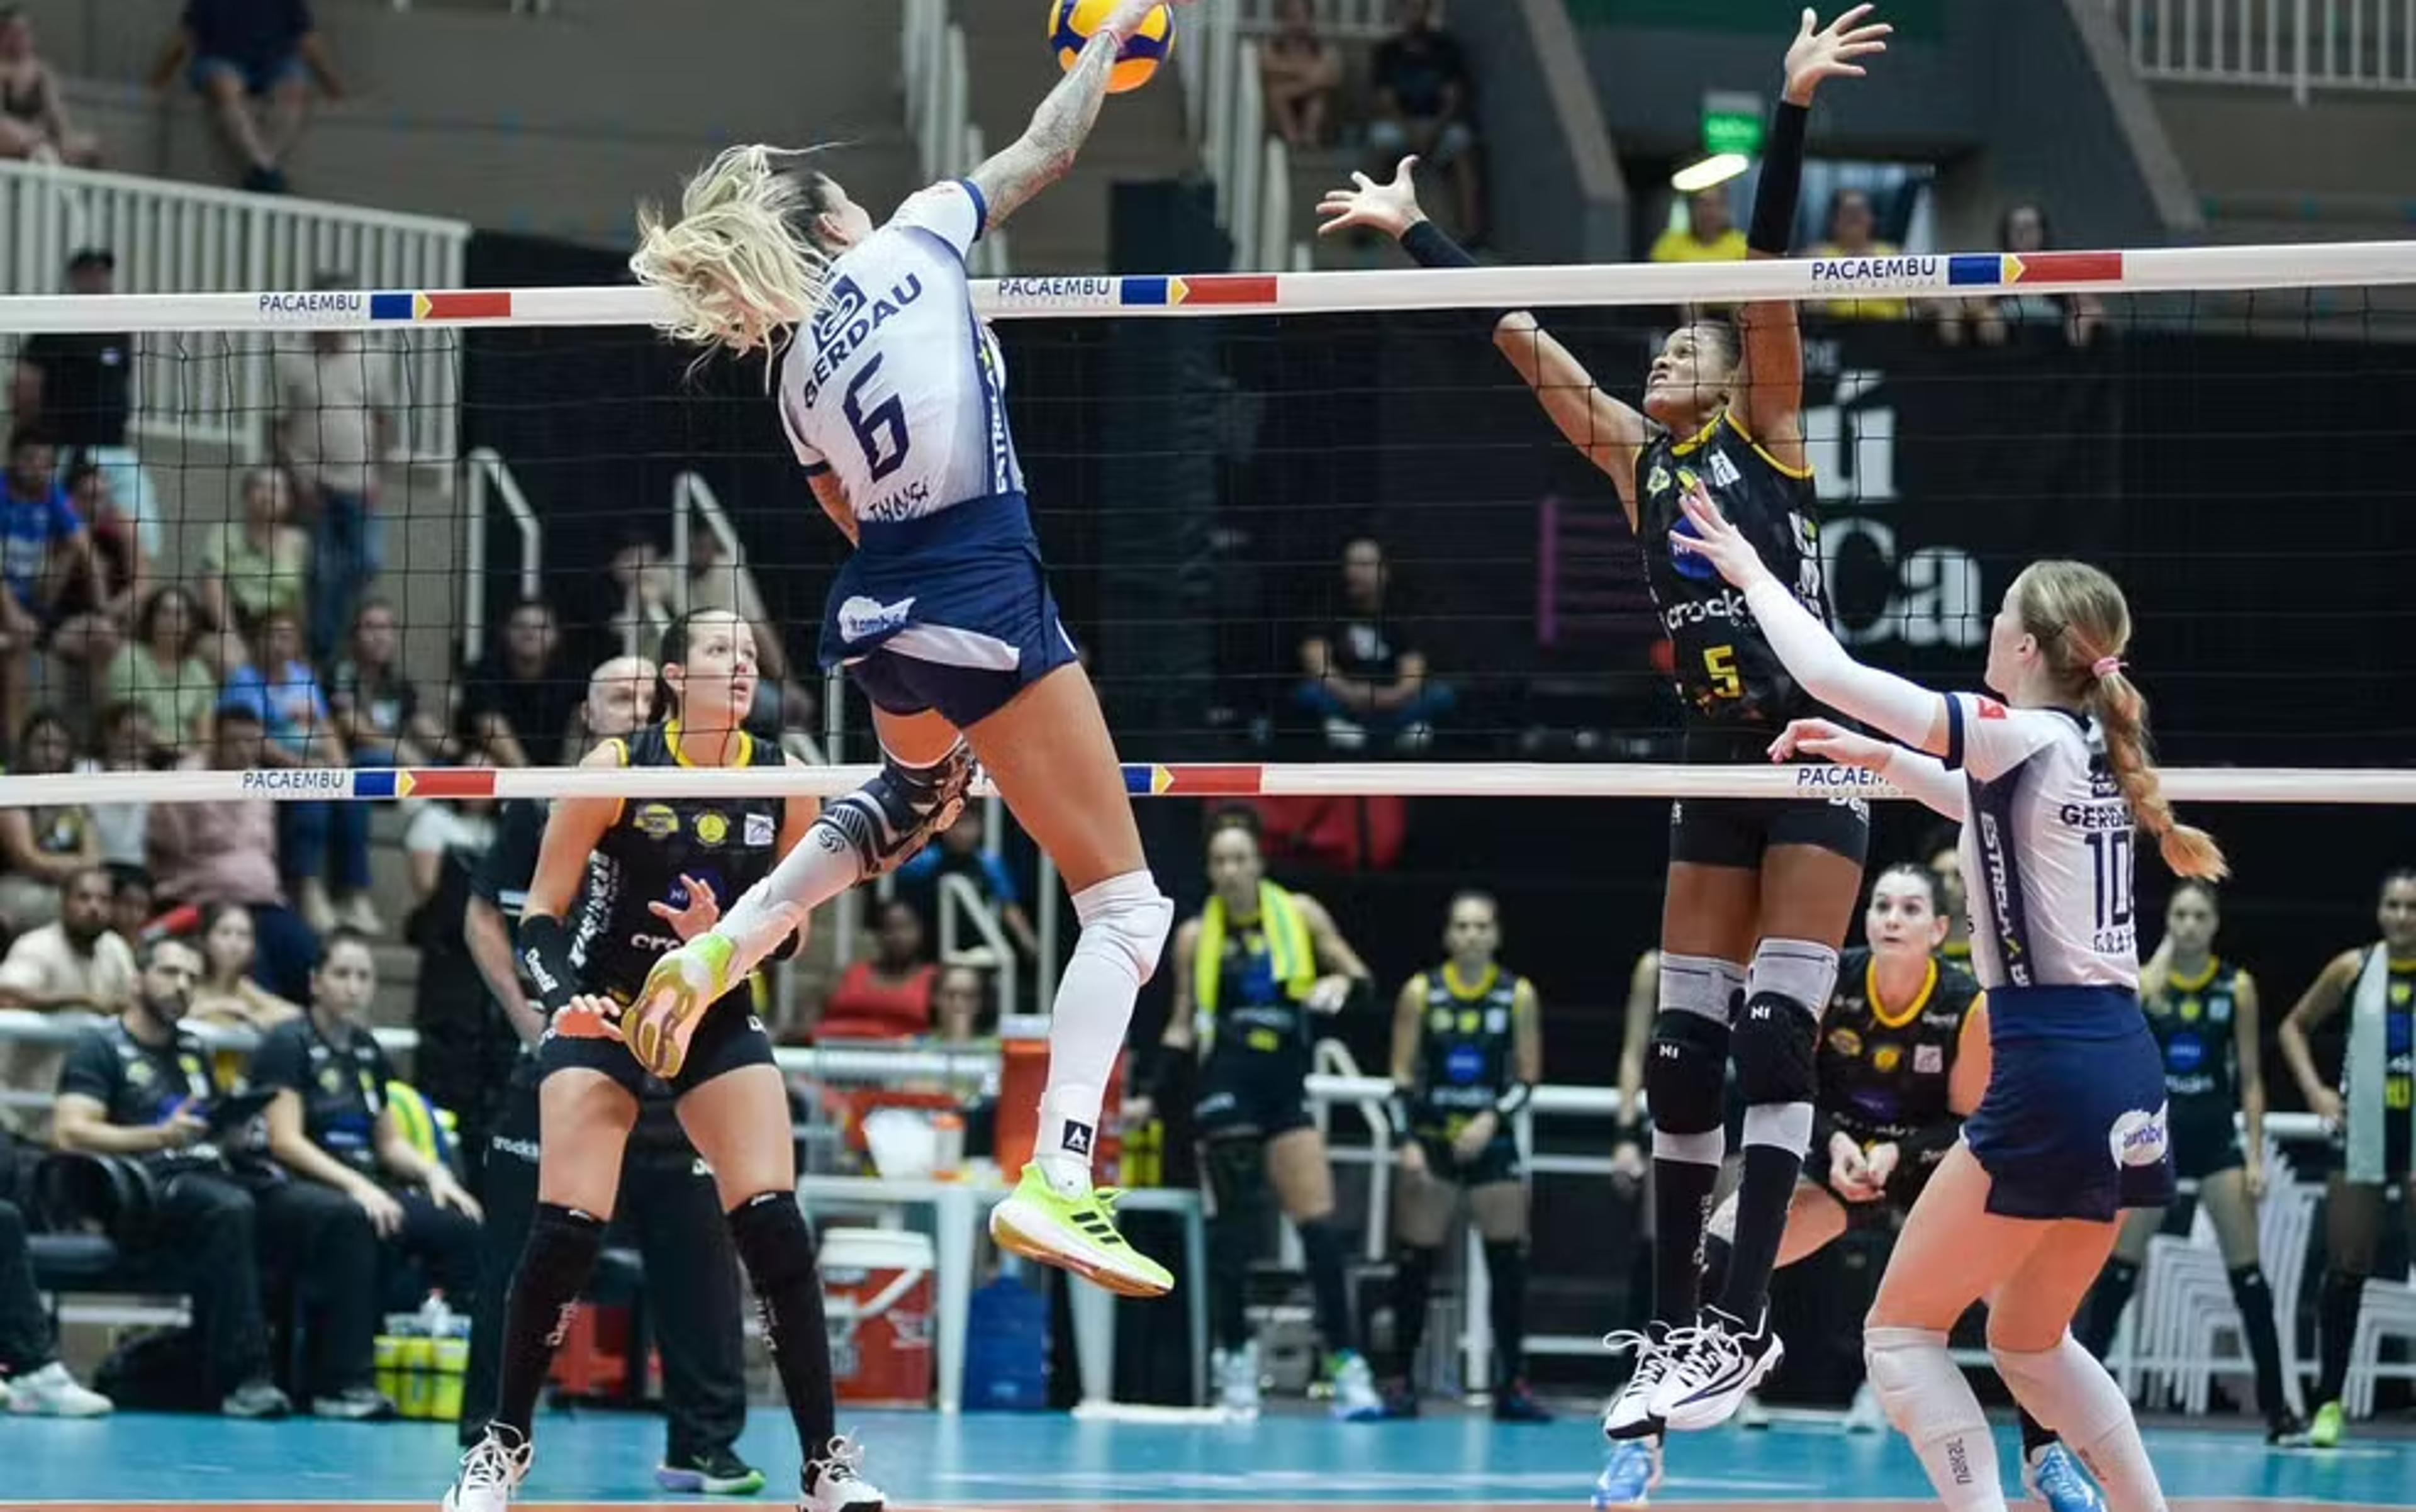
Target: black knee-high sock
x,y
1229,1239
1762,1198
2343,1295
1681,1207
1322,1251
777,1249
1412,1286
1715,1264
559,1256
2107,1300
2255,1302
1505,1269
2036,1434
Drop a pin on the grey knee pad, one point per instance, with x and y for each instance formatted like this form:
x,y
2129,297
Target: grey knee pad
x,y
1686,1073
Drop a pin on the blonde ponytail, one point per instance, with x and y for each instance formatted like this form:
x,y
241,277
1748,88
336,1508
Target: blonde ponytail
x,y
2122,712
2078,615
738,265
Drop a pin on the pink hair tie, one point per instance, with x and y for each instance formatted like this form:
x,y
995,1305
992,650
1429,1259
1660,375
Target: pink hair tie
x,y
2105,667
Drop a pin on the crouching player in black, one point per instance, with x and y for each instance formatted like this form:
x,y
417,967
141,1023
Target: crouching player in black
x,y
1468,1048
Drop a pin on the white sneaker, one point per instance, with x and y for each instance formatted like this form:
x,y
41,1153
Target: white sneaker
x,y
51,1392
1355,1400
1237,1381
1866,1415
1630,1413
1717,1364
836,1482
491,1471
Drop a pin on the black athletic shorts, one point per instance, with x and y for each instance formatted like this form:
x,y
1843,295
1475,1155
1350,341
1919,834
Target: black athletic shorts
x,y
2206,1137
1497,1162
730,1037
1249,1094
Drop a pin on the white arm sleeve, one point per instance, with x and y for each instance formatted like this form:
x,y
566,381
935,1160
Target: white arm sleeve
x,y
1927,778
1905,711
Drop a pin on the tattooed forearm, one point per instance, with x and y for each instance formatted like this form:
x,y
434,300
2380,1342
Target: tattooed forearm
x,y
1046,150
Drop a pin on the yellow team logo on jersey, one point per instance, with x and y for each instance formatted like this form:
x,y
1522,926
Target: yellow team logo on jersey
x,y
1657,480
330,1080
2401,992
711,828
657,821
1887,1058
1845,1042
1468,1022
139,1073
2192,1011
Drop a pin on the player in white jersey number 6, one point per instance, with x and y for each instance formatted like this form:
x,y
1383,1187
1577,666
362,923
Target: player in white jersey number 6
x,y
893,393
2048,785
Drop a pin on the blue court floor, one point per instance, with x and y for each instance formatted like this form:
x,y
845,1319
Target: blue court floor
x,y
924,1460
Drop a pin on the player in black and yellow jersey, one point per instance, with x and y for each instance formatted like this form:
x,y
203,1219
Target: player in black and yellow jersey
x,y
2203,1012
1468,1049
2372,1114
1765,882
1253,972
618,884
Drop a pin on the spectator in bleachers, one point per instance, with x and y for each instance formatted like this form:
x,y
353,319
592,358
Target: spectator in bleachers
x,y
1996,320
1423,108
161,671
718,580
334,1124
123,744
79,386
335,429
33,124
227,995
257,565
960,1009
43,847
141,1089
37,1384
39,534
1364,679
889,995
1854,232
1711,234
73,963
226,853
129,904
379,709
323,845
98,591
519,701
959,853
252,61
1299,72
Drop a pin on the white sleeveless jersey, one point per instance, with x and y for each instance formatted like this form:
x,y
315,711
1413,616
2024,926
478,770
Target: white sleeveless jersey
x,y
2047,848
895,387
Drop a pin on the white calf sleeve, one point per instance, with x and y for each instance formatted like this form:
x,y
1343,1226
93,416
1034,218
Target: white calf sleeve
x,y
1931,1405
1125,923
2067,1390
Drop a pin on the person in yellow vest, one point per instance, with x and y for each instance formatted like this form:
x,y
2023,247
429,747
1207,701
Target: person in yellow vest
x,y
1854,232
1253,972
1709,235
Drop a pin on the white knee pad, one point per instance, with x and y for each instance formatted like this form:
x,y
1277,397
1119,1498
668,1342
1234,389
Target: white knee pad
x,y
1932,1406
2066,1389
1128,917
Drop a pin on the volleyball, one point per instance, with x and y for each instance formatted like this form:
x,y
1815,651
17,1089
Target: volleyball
x,y
1072,23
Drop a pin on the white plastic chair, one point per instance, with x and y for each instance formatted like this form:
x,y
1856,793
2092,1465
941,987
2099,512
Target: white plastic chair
x,y
2204,1309
2388,1311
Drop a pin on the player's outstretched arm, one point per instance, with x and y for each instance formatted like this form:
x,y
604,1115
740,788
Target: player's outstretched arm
x,y
1046,151
1608,432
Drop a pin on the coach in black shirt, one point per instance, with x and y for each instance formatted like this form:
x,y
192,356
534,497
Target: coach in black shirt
x,y
79,387
140,1088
